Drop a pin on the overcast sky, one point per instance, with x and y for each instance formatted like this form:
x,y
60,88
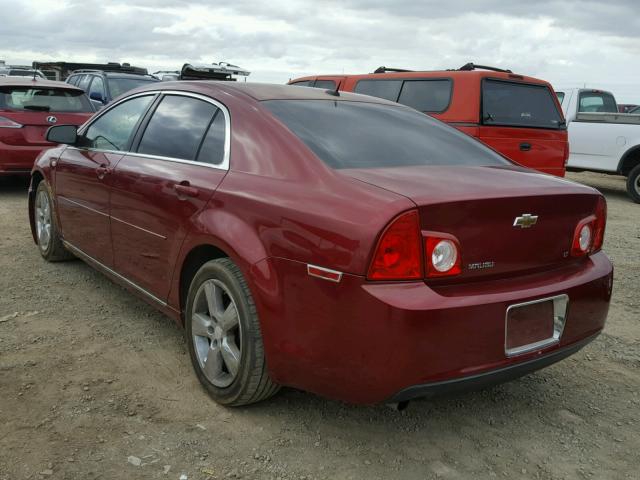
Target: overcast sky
x,y
569,43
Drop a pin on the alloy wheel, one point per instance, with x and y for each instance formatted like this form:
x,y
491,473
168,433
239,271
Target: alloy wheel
x,y
43,219
216,333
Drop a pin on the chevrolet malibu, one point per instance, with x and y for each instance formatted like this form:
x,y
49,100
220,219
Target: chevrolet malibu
x,y
320,240
27,108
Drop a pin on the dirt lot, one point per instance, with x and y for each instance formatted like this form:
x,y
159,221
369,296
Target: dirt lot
x,y
95,384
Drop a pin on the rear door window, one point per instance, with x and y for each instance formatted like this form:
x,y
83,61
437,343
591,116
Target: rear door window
x,y
212,149
387,89
97,86
83,83
426,95
177,127
598,102
519,105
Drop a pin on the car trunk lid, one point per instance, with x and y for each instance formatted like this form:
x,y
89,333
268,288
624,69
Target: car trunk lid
x,y
36,123
480,207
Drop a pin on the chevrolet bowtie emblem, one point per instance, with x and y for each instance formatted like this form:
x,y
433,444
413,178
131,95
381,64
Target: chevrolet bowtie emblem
x,y
525,221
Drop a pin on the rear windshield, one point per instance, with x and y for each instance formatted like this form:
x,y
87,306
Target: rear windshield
x,y
519,105
44,99
599,102
118,86
366,135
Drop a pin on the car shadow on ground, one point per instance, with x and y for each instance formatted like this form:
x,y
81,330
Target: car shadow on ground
x,y
14,184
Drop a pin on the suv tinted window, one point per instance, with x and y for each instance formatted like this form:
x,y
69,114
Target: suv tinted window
x,y
118,86
303,83
83,83
366,135
426,95
387,89
326,84
114,129
97,86
44,99
177,127
519,105
73,79
601,102
212,148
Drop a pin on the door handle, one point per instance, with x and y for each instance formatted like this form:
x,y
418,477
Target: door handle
x,y
184,189
103,170
525,147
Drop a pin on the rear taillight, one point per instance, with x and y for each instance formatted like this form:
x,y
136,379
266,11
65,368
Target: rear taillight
x,y
589,234
443,256
398,254
8,123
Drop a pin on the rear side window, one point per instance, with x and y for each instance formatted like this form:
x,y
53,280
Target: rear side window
x,y
213,145
599,102
114,129
387,89
303,83
426,95
367,135
44,100
519,105
326,84
177,127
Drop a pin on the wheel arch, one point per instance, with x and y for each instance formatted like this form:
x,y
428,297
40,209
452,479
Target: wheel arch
x,y
36,177
629,160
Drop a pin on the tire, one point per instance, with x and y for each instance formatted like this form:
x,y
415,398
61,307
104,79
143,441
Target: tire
x,y
633,184
226,348
47,232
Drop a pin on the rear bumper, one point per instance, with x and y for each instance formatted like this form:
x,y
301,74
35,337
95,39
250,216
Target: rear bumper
x,y
17,159
493,377
368,342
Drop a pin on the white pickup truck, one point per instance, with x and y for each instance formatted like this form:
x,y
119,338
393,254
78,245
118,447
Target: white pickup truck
x,y
600,138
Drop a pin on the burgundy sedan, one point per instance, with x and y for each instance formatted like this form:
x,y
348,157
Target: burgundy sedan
x,y
28,107
332,242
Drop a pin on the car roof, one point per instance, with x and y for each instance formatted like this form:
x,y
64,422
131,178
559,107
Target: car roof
x,y
266,91
37,82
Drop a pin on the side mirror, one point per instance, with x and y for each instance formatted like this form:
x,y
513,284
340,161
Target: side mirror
x,y
97,96
66,134
97,105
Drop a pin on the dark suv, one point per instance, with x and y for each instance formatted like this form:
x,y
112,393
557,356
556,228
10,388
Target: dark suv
x,y
102,87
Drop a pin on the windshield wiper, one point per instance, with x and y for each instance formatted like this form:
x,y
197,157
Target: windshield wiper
x,y
39,108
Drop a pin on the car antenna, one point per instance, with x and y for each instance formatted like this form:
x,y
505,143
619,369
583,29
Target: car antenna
x,y
334,93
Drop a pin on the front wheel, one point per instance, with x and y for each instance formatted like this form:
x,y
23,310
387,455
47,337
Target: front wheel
x,y
224,337
47,233
633,184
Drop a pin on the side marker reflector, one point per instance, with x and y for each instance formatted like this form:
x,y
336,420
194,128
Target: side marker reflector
x,y
324,273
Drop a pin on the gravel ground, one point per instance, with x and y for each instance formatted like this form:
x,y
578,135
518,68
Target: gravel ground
x,y
95,384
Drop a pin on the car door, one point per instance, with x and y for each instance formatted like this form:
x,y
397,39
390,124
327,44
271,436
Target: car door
x,y
82,177
180,156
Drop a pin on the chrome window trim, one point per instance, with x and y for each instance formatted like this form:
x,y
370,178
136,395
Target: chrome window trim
x,y
560,304
75,250
224,165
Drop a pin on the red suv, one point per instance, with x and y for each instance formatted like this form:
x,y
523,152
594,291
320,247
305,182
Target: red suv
x,y
518,116
28,107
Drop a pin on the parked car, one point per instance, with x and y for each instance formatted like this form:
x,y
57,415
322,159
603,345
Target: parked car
x,y
601,139
20,72
634,111
516,115
103,86
27,108
340,244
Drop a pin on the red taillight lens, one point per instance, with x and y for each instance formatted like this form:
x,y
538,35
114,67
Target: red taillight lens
x,y
443,257
8,123
398,255
589,234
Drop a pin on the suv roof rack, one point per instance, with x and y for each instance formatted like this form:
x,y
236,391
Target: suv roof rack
x,y
215,71
389,69
472,66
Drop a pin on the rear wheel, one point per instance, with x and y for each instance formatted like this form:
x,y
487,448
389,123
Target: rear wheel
x,y
224,338
633,184
47,233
